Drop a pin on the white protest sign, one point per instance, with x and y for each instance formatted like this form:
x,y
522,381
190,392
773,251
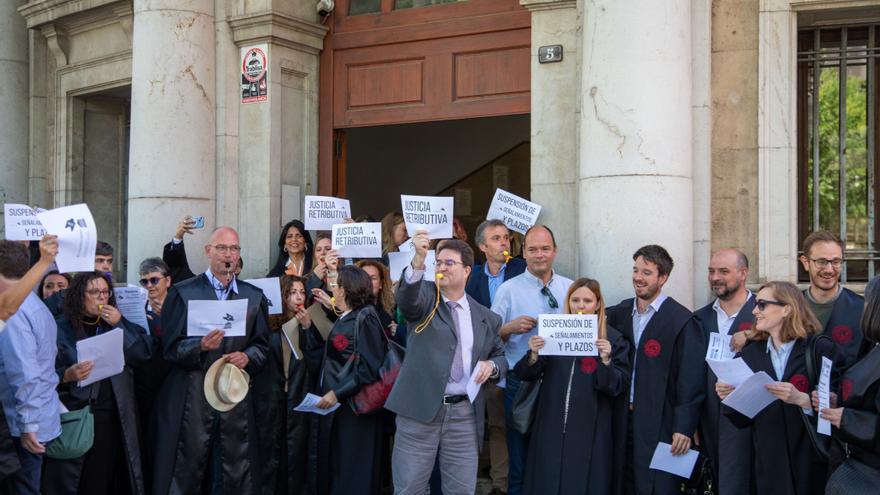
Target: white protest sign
x,y
398,261
105,351
132,303
204,316
719,347
357,240
21,223
323,212
517,213
431,213
568,335
272,290
77,236
823,426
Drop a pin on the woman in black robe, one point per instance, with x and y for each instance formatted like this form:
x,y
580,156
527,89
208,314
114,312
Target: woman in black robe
x,y
113,464
282,384
784,461
857,422
349,446
294,251
571,447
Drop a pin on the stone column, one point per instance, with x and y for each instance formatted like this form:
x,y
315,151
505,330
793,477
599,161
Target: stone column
x,y
635,184
172,162
554,134
14,102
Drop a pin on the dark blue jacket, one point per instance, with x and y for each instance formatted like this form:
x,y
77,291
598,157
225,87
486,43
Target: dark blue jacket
x,y
478,284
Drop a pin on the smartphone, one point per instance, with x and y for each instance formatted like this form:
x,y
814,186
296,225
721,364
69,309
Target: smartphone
x,y
199,222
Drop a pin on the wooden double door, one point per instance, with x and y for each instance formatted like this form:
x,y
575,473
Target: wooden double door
x,y
403,61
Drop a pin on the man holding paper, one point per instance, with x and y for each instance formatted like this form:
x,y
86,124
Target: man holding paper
x,y
454,341
728,316
203,450
668,379
781,456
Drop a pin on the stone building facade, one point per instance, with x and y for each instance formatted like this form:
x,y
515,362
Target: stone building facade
x,y
673,122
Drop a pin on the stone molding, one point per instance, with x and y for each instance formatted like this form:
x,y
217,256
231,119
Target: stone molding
x,y
535,5
278,29
56,39
812,5
40,12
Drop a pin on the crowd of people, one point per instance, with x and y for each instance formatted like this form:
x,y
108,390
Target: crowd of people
x,y
391,364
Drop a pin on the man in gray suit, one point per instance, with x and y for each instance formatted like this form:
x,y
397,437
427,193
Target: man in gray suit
x,y
452,337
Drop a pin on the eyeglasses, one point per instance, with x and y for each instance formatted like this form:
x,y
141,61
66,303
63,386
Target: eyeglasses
x,y
761,304
223,249
151,281
98,292
447,263
822,262
554,304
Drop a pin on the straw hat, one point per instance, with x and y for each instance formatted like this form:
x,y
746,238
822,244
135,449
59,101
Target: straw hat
x,y
225,385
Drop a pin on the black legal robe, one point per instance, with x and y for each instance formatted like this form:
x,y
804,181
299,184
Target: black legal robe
x,y
860,395
185,421
731,478
571,451
844,327
783,460
283,432
669,387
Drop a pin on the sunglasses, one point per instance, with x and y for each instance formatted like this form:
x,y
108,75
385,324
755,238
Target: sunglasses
x,y
761,304
554,304
145,282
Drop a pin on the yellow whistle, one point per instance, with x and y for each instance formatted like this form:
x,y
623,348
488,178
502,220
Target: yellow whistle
x,y
100,307
506,256
332,299
580,312
439,276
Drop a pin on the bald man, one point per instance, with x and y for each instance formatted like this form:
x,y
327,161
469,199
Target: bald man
x,y
199,449
730,314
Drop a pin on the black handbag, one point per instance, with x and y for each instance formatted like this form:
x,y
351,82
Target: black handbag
x,y
702,481
525,405
853,478
372,397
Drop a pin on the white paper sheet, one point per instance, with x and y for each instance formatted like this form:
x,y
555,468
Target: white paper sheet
x,y
105,350
823,426
77,236
679,465
229,316
357,240
272,290
719,347
407,246
21,224
431,213
752,396
473,388
732,372
322,212
517,213
398,262
568,335
308,405
132,303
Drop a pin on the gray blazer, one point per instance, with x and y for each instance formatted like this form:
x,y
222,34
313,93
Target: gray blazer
x,y
418,391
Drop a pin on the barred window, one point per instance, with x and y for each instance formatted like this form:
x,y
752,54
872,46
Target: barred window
x,y
837,140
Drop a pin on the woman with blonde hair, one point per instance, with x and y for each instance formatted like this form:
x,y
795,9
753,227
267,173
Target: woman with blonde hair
x,y
783,458
572,449
393,232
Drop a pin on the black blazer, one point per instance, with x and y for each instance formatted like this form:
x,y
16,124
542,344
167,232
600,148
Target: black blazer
x,y
478,285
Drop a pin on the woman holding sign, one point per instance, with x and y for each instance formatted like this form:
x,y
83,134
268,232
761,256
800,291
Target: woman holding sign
x,y
783,458
572,451
294,251
281,386
113,464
